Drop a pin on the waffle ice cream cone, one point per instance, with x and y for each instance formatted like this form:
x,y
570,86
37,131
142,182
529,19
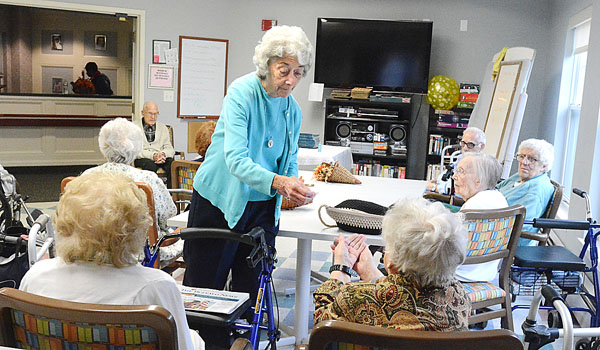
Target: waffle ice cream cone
x,y
334,173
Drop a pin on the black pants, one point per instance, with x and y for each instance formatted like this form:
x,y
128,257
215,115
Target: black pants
x,y
148,164
208,261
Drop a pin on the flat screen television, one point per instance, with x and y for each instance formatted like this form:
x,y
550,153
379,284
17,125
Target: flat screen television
x,y
385,55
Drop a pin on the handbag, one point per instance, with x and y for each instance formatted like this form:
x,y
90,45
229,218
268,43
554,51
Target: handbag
x,y
14,262
354,215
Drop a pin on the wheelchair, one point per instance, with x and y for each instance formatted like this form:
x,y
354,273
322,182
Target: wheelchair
x,y
261,253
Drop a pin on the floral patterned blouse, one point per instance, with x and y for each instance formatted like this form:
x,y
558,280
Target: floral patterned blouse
x,y
394,301
163,202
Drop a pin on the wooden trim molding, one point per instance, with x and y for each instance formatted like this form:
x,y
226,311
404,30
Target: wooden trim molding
x,y
56,120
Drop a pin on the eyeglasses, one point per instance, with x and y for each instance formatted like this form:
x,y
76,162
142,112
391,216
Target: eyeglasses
x,y
470,145
152,114
530,159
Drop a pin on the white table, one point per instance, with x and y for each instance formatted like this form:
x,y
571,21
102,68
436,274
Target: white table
x,y
303,224
308,158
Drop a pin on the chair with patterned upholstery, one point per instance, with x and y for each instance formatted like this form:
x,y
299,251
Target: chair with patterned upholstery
x,y
182,178
493,234
345,335
36,322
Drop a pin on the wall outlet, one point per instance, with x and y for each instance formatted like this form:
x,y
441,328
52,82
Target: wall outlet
x,y
168,96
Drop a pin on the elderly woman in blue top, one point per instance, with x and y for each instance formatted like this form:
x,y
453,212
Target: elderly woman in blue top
x,y
531,186
251,163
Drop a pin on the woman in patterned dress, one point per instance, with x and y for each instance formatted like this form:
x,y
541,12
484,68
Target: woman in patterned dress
x,y
121,142
424,243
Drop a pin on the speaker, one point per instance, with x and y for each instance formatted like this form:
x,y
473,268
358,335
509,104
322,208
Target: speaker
x,y
343,130
397,133
398,138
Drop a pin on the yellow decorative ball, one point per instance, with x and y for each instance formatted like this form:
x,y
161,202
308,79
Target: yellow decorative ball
x,y
442,92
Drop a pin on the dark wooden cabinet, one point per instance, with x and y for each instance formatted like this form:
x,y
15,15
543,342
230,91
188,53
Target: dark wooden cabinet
x,y
369,126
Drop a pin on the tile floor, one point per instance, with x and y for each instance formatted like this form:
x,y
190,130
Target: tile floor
x,y
285,275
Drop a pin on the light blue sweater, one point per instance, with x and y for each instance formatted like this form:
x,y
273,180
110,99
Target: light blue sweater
x,y
241,162
534,194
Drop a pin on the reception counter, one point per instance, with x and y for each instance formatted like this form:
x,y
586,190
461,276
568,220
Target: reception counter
x,y
52,129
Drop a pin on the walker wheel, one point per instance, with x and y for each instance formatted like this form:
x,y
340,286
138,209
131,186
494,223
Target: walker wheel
x,y
554,320
583,344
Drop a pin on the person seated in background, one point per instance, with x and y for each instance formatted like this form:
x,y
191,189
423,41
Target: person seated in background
x,y
158,152
531,186
473,141
424,243
100,81
120,142
475,180
101,223
203,138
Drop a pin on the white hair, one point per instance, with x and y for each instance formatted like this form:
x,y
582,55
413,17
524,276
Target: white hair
x,y
543,149
279,42
120,141
487,168
479,134
425,239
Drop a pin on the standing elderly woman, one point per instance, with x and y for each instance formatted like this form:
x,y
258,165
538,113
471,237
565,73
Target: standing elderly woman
x,y
121,142
424,243
531,186
251,163
101,224
475,179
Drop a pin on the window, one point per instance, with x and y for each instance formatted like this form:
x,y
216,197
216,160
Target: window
x,y
570,98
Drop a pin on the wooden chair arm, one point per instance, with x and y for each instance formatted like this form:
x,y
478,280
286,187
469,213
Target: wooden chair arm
x,y
541,237
241,344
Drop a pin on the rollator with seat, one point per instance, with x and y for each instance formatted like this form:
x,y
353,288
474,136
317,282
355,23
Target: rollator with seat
x,y
560,268
261,254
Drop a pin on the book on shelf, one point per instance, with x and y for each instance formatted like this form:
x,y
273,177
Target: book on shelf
x,y
433,171
452,125
452,118
376,169
211,300
438,142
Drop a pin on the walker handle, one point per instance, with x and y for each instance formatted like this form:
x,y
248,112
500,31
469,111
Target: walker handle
x,y
550,294
579,192
564,224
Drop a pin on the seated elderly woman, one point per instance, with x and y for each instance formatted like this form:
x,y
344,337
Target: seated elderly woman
x,y
203,138
120,142
475,178
530,186
101,223
424,243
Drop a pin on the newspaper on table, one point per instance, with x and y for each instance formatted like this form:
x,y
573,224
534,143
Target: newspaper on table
x,y
211,300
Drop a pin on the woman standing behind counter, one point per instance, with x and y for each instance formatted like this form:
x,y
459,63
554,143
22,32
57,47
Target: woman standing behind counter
x,y
251,162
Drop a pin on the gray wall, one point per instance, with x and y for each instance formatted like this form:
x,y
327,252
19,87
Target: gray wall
x,y
463,56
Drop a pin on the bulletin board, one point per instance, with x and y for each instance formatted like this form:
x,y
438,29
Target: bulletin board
x,y
202,77
500,107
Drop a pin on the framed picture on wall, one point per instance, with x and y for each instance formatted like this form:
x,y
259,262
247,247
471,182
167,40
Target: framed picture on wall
x,y
57,85
160,77
56,40
100,42
158,51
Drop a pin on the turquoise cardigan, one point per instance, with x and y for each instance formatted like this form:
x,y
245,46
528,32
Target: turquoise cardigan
x,y
534,194
241,162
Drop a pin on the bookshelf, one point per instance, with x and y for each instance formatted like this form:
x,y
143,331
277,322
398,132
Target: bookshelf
x,y
446,128
378,132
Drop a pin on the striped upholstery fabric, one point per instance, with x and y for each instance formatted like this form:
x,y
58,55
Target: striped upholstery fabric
x,y
185,177
480,291
32,332
488,236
